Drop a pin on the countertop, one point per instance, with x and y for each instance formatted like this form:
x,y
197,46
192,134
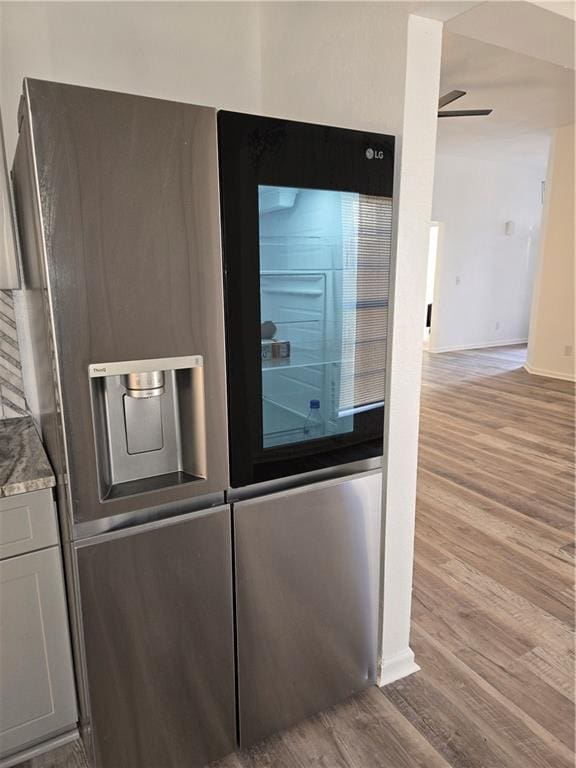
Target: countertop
x,y
24,466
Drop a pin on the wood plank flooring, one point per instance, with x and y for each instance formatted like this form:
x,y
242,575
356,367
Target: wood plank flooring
x,y
493,590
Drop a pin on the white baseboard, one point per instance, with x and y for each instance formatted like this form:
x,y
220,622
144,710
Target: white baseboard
x,y
507,343
549,374
40,749
397,667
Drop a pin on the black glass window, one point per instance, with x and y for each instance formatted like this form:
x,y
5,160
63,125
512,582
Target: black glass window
x,y
324,274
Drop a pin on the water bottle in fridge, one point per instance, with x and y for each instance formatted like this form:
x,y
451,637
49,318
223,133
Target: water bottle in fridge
x,y
313,424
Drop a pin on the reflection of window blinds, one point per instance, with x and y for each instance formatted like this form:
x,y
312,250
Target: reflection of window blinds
x,y
367,229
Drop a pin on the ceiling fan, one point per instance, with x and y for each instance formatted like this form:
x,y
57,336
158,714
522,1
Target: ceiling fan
x,y
451,96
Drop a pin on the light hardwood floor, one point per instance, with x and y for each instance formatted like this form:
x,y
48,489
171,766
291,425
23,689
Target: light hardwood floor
x,y
493,590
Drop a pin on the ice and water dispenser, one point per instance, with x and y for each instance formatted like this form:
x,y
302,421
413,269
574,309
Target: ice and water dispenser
x,y
149,424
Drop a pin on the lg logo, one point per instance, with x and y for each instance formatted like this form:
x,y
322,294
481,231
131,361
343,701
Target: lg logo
x,y
374,154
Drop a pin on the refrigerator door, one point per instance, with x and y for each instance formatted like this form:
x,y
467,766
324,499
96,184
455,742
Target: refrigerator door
x,y
157,613
117,197
307,575
307,224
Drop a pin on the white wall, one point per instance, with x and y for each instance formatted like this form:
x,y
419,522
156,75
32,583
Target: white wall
x,y
202,53
551,345
335,62
414,205
359,65
484,277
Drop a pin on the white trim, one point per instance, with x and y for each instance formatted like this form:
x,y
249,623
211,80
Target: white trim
x,y
457,348
399,666
414,181
549,374
40,749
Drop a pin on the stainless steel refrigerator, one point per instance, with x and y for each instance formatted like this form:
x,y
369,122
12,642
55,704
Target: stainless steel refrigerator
x,y
207,302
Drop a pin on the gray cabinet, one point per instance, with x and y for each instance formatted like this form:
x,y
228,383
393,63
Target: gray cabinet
x,y
9,277
27,523
36,679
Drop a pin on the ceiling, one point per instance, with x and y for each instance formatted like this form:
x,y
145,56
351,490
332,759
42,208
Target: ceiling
x,y
530,98
524,27
565,8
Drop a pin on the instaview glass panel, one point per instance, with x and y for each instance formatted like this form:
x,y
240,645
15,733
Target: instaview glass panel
x,y
324,277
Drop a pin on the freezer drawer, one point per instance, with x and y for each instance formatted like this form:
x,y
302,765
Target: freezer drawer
x,y
157,617
307,574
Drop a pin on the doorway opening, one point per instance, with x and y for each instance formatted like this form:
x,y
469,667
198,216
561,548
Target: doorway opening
x,y
434,243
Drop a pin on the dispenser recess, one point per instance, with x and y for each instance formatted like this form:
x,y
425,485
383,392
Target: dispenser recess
x,y
149,424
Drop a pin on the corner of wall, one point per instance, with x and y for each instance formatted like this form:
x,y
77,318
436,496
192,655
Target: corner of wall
x,y
551,344
414,209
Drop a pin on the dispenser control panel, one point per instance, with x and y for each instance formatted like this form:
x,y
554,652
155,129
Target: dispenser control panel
x,y
96,370
149,423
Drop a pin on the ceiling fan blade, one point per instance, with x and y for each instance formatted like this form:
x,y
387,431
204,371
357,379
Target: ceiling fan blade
x,y
464,112
449,97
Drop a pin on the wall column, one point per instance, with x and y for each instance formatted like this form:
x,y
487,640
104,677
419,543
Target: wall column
x,y
551,336
414,209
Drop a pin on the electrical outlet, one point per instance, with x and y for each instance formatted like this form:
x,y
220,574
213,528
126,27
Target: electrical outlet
x,y
497,326
568,350
457,279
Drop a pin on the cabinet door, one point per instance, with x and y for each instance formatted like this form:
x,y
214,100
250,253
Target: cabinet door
x,y
36,677
9,277
27,523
